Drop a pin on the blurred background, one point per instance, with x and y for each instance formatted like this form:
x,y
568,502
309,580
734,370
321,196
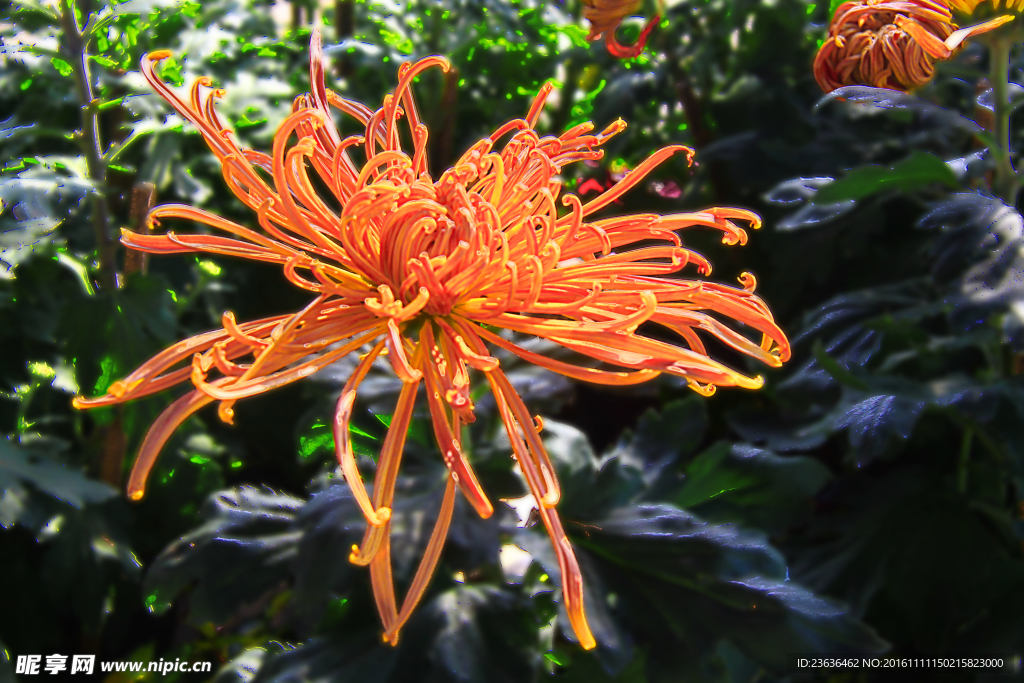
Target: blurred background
x,y
867,500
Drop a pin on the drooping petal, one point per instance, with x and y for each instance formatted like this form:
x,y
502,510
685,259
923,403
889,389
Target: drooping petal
x,y
343,442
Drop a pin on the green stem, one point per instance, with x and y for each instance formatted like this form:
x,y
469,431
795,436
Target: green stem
x,y
1004,181
89,140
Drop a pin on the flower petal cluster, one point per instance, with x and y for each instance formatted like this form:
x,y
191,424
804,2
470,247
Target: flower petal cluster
x,y
606,15
890,43
427,272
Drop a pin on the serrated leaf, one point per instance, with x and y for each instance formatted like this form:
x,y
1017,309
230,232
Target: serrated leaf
x,y
8,129
873,421
815,214
31,207
694,580
981,244
121,328
905,544
884,99
49,475
796,191
833,368
759,488
245,528
37,6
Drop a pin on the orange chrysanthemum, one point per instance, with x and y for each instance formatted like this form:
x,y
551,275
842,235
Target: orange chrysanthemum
x,y
426,269
890,43
606,15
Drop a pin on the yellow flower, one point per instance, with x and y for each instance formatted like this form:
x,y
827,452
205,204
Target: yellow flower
x,y
983,9
425,270
890,43
606,15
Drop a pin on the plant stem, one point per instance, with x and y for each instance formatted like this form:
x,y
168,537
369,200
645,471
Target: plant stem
x,y
75,46
1004,181
344,23
693,109
142,202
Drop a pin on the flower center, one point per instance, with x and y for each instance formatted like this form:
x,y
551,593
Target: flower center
x,y
428,235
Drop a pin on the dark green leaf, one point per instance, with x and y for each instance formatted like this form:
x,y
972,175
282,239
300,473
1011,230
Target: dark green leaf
x,y
49,475
759,488
245,529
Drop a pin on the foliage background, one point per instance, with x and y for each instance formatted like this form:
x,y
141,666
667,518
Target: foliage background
x,y
867,500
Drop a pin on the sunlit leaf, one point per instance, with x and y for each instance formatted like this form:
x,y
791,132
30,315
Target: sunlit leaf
x,y
918,170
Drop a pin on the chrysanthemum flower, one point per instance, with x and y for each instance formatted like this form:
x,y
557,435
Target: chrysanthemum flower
x,y
890,43
606,15
426,271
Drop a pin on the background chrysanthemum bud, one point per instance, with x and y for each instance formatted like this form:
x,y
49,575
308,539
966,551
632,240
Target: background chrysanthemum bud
x,y
890,44
606,15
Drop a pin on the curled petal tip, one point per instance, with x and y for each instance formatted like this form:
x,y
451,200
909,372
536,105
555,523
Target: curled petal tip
x,y
226,414
136,494
158,55
703,390
748,281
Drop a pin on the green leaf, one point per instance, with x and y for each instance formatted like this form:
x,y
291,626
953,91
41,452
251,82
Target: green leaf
x,y
32,205
36,6
837,371
245,528
754,486
694,580
49,475
62,67
908,550
917,170
110,64
125,326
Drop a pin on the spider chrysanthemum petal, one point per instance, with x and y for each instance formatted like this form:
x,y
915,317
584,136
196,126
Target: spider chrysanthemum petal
x,y
422,270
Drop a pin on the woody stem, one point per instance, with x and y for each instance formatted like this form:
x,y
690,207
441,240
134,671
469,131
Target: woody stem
x,y
76,47
1004,181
